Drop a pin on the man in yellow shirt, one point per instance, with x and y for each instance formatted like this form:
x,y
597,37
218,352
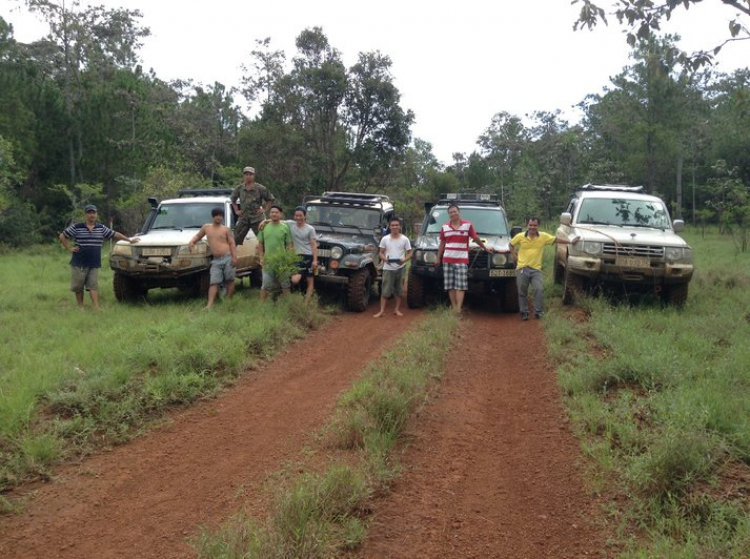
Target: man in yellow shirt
x,y
527,250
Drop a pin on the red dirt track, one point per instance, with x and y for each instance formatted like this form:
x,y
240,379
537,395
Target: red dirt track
x,y
491,470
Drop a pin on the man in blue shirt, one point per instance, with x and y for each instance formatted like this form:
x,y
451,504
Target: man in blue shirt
x,y
88,237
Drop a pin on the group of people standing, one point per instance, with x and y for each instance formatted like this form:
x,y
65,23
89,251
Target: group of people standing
x,y
275,235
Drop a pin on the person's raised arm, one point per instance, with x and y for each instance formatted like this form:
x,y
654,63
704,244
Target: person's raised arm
x,y
197,237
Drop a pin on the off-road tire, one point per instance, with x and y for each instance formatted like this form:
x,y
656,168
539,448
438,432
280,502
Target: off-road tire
x,y
510,296
256,277
358,291
127,289
201,284
675,295
558,273
573,287
415,290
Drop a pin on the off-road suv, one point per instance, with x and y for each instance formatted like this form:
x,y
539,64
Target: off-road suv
x,y
349,227
492,273
627,239
162,257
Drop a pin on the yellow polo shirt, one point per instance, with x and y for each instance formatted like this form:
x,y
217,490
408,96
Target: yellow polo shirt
x,y
530,251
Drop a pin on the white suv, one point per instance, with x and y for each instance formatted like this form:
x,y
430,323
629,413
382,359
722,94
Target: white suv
x,y
162,257
626,239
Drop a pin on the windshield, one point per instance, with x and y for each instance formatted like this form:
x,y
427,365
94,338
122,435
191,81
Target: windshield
x,y
343,216
487,221
623,212
184,216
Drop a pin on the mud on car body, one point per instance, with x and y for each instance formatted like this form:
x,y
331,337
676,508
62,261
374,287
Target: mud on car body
x,y
491,273
627,241
162,258
349,226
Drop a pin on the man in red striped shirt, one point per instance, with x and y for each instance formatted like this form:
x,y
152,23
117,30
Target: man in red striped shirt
x,y
454,255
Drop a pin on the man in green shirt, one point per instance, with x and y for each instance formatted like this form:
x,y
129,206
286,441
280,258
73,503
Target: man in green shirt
x,y
274,238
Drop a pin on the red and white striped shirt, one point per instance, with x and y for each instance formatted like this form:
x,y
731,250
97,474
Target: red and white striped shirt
x,y
457,242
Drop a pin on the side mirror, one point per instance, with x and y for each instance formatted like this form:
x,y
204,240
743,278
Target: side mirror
x,y
566,218
678,225
515,231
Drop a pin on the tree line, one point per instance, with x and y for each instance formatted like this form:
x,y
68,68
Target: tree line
x,y
83,123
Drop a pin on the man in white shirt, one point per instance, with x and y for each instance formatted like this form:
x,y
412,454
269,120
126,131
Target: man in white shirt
x,y
395,251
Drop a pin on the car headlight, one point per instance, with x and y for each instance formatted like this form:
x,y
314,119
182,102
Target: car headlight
x,y
592,247
122,250
675,254
337,253
499,259
430,257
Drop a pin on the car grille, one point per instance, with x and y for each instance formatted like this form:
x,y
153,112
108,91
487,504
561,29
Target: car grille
x,y
479,259
634,250
324,254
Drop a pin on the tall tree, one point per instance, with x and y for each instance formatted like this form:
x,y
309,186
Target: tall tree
x,y
92,40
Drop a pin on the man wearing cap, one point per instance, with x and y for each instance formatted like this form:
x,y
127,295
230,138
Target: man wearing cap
x,y
88,237
255,200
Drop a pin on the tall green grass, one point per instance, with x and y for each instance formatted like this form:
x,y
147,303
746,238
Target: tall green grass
x,y
660,396
71,378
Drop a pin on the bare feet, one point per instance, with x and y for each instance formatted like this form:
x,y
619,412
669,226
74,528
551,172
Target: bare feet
x,y
378,315
398,313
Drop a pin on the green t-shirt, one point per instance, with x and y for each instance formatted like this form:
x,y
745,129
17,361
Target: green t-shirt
x,y
275,237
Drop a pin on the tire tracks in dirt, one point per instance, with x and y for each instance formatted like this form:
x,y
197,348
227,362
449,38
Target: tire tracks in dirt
x,y
492,468
144,498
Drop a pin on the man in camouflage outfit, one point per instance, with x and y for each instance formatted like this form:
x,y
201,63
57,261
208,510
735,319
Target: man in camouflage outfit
x,y
255,200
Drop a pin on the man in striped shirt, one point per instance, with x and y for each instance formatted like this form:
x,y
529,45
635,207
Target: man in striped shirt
x,y
88,237
454,255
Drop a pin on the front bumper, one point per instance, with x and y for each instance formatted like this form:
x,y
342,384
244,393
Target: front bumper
x,y
609,271
159,266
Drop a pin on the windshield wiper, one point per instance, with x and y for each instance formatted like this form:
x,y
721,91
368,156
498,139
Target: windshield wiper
x,y
164,227
599,223
645,226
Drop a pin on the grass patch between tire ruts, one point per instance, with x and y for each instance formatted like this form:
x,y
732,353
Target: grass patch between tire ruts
x,y
323,513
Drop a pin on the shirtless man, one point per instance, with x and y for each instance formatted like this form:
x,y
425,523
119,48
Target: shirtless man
x,y
221,242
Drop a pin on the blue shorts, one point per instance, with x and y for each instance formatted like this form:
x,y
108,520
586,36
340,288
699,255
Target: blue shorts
x,y
270,283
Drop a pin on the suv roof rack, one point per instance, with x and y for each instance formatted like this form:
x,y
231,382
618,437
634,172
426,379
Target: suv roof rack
x,y
350,198
473,197
612,187
184,192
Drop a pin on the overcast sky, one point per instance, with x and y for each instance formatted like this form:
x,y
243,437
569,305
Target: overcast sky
x,y
455,63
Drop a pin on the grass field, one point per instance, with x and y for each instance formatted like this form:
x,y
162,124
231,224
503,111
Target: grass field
x,y
75,379
660,397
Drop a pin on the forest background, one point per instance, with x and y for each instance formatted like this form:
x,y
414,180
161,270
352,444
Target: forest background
x,y
81,122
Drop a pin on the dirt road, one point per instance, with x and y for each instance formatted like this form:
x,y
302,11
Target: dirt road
x,y
491,470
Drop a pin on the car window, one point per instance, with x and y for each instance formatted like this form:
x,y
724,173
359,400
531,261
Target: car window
x,y
181,216
487,221
620,211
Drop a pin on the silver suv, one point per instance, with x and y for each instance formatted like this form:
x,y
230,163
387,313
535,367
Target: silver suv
x,y
162,257
627,239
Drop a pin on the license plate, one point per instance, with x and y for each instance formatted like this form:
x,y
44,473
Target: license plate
x,y
502,273
632,262
324,252
146,251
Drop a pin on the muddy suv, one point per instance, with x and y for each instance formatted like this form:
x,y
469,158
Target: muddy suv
x,y
493,274
627,240
349,227
162,257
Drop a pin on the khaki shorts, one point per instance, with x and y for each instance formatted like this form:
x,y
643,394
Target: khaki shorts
x,y
393,283
84,277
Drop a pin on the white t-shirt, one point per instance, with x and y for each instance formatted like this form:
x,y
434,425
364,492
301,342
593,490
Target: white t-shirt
x,y
394,249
